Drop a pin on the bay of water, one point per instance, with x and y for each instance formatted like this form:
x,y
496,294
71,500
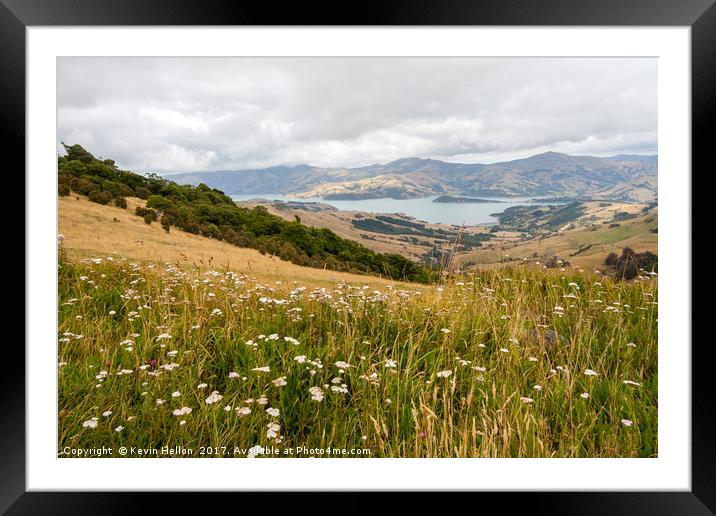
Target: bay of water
x,y
424,209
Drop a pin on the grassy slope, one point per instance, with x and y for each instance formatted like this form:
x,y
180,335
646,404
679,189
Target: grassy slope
x,y
90,228
340,223
122,327
631,233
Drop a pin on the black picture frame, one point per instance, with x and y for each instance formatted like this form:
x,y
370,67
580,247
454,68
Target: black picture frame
x,y
700,15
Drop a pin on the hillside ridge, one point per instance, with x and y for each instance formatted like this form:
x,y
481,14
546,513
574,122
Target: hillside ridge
x,y
617,178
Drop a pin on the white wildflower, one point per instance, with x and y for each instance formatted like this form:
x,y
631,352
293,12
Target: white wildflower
x,y
255,450
316,393
213,397
279,382
273,430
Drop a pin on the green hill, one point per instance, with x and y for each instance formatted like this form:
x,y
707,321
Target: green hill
x,y
209,212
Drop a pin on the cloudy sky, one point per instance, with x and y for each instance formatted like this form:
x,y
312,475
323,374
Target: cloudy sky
x,y
187,114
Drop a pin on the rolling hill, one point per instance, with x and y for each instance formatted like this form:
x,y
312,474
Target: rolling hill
x,y
89,230
619,178
210,213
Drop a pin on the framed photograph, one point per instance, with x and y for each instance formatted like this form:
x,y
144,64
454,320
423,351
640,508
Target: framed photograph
x,y
440,249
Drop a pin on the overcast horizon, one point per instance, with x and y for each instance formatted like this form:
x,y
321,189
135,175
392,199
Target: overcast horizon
x,y
171,115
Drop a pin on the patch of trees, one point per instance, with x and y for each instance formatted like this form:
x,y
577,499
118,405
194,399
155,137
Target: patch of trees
x,y
629,263
400,222
378,226
622,215
473,239
393,226
565,215
209,212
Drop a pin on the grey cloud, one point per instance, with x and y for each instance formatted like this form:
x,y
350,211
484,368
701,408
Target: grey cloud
x,y
181,114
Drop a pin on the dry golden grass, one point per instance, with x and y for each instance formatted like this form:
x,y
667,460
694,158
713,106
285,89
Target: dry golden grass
x,y
90,228
602,239
339,222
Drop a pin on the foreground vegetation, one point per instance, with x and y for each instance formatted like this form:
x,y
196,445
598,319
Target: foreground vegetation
x,y
515,362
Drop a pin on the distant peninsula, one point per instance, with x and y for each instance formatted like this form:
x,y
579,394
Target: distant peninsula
x,y
453,199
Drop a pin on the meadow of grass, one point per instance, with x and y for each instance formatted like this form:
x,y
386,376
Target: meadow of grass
x,y
513,362
602,239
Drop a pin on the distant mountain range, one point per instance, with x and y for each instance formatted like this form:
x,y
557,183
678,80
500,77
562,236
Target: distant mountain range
x,y
618,178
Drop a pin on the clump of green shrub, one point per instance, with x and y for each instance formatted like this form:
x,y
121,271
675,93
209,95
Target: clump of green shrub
x,y
100,197
148,214
629,263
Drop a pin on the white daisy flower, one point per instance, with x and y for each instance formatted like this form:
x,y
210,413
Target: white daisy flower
x,y
182,411
316,393
213,397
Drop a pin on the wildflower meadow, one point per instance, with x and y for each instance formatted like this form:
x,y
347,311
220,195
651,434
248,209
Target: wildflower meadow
x,y
510,362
